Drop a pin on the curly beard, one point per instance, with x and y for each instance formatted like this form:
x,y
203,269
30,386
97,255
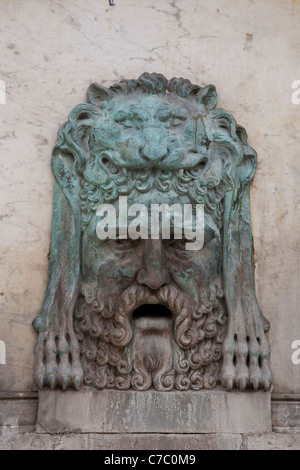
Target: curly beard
x,y
182,350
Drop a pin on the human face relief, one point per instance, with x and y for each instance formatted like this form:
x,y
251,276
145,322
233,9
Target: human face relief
x,y
145,131
115,264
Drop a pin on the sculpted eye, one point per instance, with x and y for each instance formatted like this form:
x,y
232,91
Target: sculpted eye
x,y
123,117
122,245
178,116
176,121
164,114
209,235
178,245
140,115
120,116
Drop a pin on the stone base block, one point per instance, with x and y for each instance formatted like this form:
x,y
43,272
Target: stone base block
x,y
17,409
111,411
286,413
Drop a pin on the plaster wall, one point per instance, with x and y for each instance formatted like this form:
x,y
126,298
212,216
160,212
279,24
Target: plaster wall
x,y
52,50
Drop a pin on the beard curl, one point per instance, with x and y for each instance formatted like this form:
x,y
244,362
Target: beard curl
x,y
104,329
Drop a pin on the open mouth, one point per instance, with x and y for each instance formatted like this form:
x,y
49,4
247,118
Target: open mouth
x,y
151,347
152,318
151,311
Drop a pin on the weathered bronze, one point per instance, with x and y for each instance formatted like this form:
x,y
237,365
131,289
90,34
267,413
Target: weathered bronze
x,y
122,313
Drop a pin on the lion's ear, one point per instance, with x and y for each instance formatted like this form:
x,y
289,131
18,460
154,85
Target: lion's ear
x,y
208,97
97,94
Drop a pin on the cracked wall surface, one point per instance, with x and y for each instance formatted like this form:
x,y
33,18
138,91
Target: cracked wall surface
x,y
53,50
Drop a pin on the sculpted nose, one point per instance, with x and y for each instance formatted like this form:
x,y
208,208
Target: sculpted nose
x,y
155,148
153,273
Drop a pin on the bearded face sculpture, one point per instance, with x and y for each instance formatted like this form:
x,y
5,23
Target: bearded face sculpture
x,y
146,312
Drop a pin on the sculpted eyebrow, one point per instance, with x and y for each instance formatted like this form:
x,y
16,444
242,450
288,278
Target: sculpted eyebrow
x,y
180,113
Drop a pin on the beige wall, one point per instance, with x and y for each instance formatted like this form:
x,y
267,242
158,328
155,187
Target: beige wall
x,y
52,50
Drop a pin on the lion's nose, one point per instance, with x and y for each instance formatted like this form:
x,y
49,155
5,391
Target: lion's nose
x,y
155,148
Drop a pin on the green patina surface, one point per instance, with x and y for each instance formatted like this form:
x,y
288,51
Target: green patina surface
x,y
152,140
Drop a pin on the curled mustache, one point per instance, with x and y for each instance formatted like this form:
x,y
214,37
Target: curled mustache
x,y
118,331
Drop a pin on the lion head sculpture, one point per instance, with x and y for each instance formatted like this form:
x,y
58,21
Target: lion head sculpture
x,y
145,312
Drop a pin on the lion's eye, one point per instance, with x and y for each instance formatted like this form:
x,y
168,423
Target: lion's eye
x,y
124,118
120,116
180,113
164,114
176,122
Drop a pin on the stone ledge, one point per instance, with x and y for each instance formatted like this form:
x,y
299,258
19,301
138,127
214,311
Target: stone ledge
x,y
111,411
18,395
132,442
128,442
